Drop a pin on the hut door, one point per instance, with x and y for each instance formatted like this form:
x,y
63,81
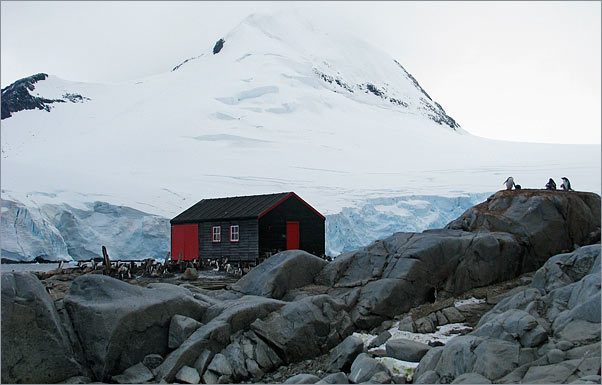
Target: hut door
x,y
292,235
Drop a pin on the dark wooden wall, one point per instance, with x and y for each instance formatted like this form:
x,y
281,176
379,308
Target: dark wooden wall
x,y
272,228
244,250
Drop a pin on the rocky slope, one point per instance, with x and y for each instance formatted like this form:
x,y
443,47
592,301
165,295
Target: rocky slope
x,y
296,307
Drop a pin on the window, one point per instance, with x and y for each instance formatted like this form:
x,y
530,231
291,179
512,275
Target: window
x,y
216,234
234,233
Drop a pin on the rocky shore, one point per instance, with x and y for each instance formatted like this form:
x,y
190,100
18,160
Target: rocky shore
x,y
529,259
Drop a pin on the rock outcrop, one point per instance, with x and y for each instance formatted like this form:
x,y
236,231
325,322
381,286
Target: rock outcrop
x,y
35,345
119,324
548,333
545,222
281,273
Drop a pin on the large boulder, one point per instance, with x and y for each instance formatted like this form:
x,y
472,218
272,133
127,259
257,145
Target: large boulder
x,y
35,345
280,273
305,328
547,222
119,324
342,356
365,368
406,350
444,262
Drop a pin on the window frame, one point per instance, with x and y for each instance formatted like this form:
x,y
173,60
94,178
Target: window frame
x,y
237,233
215,239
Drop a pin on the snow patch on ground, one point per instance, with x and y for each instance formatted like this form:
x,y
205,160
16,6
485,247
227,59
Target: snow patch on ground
x,y
469,301
399,367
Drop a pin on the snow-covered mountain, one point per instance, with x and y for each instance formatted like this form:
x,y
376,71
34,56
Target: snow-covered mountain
x,y
278,104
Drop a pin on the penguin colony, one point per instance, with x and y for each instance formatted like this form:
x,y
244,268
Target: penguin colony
x,y
551,185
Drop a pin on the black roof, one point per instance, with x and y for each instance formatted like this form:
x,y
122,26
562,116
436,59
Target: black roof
x,y
244,207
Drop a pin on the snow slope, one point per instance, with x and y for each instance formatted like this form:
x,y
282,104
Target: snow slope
x,y
285,105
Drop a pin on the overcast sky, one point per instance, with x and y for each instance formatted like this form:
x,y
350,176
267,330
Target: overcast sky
x,y
522,71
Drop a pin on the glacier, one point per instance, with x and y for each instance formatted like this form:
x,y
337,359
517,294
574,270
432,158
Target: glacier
x,y
56,232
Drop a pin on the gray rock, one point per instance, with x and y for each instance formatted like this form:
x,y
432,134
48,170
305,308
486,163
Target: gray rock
x,y
210,377
407,324
591,350
136,374
457,356
180,328
527,355
35,345
563,269
380,339
471,378
334,378
555,356
203,361
564,345
429,361
188,375
236,358
364,368
380,377
119,324
232,316
253,368
406,350
424,325
151,361
453,315
428,377
280,273
303,378
580,332
593,379
549,374
220,365
342,356
441,319
513,325
265,356
515,376
494,358
549,223
433,318
77,380
305,328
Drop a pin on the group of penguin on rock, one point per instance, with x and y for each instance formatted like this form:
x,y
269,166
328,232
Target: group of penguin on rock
x,y
551,185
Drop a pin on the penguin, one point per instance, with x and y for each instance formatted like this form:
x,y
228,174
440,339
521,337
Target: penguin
x,y
566,185
518,187
551,185
509,183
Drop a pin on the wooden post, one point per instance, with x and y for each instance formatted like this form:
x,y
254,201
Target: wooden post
x,y
106,261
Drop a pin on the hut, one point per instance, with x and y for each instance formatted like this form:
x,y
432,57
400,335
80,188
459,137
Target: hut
x,y
247,228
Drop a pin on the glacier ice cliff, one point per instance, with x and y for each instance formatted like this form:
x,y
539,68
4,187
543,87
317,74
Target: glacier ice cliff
x,y
62,232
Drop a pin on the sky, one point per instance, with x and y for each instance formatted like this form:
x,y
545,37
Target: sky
x,y
518,71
